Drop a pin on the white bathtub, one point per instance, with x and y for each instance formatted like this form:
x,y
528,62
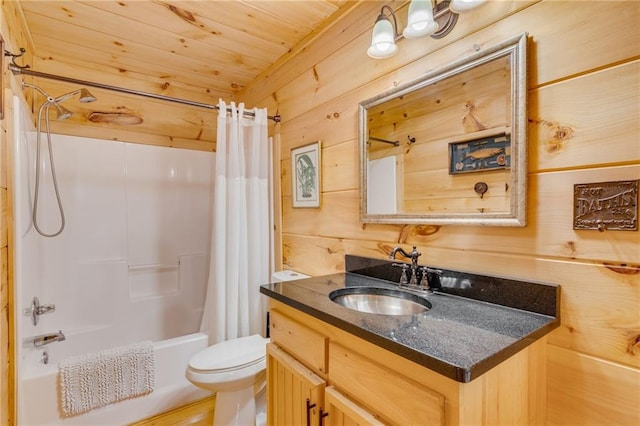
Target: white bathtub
x,y
39,385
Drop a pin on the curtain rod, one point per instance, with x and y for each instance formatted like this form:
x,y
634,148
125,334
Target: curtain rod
x,y
394,143
22,70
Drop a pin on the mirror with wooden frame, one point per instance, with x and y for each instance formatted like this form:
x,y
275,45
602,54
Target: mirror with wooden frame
x,y
450,147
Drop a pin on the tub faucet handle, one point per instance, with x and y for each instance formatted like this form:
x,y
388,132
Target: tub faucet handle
x,y
45,309
36,309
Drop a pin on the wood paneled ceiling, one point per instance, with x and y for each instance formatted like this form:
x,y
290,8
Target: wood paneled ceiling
x,y
202,50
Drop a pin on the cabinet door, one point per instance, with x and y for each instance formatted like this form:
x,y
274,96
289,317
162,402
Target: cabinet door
x,y
341,411
294,393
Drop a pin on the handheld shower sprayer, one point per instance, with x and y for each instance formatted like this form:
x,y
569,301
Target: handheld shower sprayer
x,y
62,114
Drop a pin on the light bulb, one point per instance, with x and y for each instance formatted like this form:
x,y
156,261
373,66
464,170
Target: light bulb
x,y
383,43
461,6
420,21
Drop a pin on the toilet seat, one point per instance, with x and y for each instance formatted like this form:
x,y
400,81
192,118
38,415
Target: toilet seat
x,y
231,355
225,370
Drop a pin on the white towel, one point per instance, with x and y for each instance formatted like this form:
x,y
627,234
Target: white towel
x,y
94,380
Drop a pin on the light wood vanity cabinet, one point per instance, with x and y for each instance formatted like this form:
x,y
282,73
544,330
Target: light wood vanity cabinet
x,y
353,381
298,371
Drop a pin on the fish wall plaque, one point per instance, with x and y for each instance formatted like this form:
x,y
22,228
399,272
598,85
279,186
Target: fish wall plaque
x,y
481,154
611,206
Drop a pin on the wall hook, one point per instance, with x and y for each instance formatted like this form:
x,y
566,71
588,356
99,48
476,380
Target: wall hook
x,y
15,56
411,140
480,188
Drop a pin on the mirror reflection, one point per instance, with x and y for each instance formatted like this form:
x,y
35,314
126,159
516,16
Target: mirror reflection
x,y
451,146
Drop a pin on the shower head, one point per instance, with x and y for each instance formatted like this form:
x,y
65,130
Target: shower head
x,y
85,96
62,112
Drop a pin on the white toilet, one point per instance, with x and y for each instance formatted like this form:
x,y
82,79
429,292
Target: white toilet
x,y
236,371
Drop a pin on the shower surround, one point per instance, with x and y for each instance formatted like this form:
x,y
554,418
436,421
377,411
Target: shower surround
x,y
131,264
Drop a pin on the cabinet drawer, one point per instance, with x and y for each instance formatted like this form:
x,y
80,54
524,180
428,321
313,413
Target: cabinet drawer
x,y
395,399
305,344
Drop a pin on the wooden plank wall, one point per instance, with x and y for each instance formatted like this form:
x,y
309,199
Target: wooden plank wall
x,y
584,121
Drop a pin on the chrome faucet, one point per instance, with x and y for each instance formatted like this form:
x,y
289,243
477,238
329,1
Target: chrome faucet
x,y
45,339
413,255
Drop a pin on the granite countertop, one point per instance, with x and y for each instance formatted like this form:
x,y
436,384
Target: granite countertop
x,y
459,337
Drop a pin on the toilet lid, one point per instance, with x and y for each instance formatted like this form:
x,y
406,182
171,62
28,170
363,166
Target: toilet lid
x,y
231,354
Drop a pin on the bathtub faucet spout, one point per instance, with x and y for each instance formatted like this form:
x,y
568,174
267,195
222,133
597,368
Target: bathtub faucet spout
x,y
45,339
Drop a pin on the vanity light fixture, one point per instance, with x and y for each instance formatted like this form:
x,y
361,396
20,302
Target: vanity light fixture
x,y
426,17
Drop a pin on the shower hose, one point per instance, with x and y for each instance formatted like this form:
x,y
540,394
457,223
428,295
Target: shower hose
x,y
46,104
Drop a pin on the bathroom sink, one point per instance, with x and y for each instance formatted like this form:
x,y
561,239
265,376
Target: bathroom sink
x,y
382,301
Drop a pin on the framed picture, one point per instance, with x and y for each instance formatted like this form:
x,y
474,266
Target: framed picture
x,y
481,154
305,173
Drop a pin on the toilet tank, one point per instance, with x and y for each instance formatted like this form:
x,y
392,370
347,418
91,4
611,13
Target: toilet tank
x,y
280,276
286,275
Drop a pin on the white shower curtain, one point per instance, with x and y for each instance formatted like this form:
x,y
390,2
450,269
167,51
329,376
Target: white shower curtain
x,y
241,236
